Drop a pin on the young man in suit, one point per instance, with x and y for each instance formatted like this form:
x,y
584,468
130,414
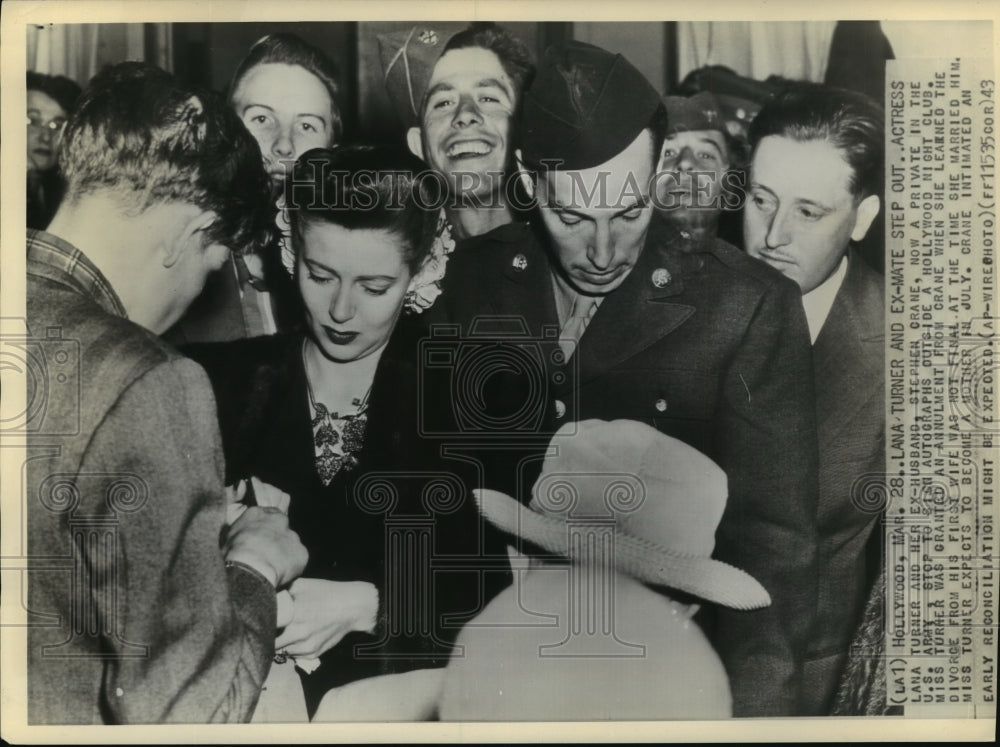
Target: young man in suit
x,y
816,176
589,313
148,619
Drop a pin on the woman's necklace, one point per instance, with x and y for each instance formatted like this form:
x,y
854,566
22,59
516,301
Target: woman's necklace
x,y
337,439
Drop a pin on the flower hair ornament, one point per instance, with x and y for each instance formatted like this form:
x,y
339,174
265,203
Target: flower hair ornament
x,y
424,287
285,235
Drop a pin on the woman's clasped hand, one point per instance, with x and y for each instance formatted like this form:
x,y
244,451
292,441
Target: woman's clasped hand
x,y
324,612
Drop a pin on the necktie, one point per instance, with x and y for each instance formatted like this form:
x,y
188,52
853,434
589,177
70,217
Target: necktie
x,y
572,330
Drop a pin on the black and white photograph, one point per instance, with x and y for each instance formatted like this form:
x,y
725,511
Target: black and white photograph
x,y
379,372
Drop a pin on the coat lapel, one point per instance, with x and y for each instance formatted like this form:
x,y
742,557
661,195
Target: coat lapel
x,y
638,313
629,320
526,291
288,414
848,354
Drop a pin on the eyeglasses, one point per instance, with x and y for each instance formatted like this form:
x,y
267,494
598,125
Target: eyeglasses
x,y
54,126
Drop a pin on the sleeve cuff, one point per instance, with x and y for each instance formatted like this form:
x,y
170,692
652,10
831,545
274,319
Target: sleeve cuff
x,y
251,570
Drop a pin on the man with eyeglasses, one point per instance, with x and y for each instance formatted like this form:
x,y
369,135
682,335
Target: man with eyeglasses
x,y
50,101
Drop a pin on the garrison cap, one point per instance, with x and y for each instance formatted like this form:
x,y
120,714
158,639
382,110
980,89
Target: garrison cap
x,y
408,60
586,106
698,112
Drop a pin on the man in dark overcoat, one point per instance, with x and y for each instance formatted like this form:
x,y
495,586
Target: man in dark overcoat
x,y
806,220
587,312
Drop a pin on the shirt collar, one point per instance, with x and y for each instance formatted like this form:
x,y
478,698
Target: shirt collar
x,y
52,257
566,297
818,302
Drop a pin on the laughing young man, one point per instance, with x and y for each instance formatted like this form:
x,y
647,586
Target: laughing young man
x,y
458,90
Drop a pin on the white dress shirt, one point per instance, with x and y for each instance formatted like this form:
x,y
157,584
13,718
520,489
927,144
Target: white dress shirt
x,y
818,302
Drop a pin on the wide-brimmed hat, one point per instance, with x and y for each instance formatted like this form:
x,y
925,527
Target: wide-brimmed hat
x,y
660,499
408,60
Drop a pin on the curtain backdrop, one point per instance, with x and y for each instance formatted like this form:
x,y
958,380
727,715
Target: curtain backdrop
x,y
792,49
80,50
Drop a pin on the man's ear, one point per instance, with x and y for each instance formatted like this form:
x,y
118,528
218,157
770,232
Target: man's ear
x,y
867,210
415,143
189,235
522,174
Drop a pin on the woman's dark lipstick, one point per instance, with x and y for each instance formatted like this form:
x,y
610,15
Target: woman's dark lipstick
x,y
339,338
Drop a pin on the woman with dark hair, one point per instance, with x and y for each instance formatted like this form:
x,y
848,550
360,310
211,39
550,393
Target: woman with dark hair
x,y
319,412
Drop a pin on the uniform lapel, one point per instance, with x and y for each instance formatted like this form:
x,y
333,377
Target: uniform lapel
x,y
639,312
526,291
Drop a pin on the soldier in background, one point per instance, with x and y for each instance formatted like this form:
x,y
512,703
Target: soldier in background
x,y
701,180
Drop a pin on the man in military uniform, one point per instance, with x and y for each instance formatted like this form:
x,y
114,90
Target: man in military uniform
x,y
700,184
816,178
587,313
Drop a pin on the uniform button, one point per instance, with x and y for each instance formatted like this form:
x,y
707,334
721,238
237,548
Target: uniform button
x,y
661,405
520,262
119,692
560,408
661,277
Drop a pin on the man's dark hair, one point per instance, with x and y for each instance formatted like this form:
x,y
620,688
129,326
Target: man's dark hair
x,y
737,151
512,52
850,121
138,133
364,187
59,88
658,127
288,49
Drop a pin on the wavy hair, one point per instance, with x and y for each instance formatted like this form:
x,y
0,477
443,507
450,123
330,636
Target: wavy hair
x,y
850,121
365,187
141,135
